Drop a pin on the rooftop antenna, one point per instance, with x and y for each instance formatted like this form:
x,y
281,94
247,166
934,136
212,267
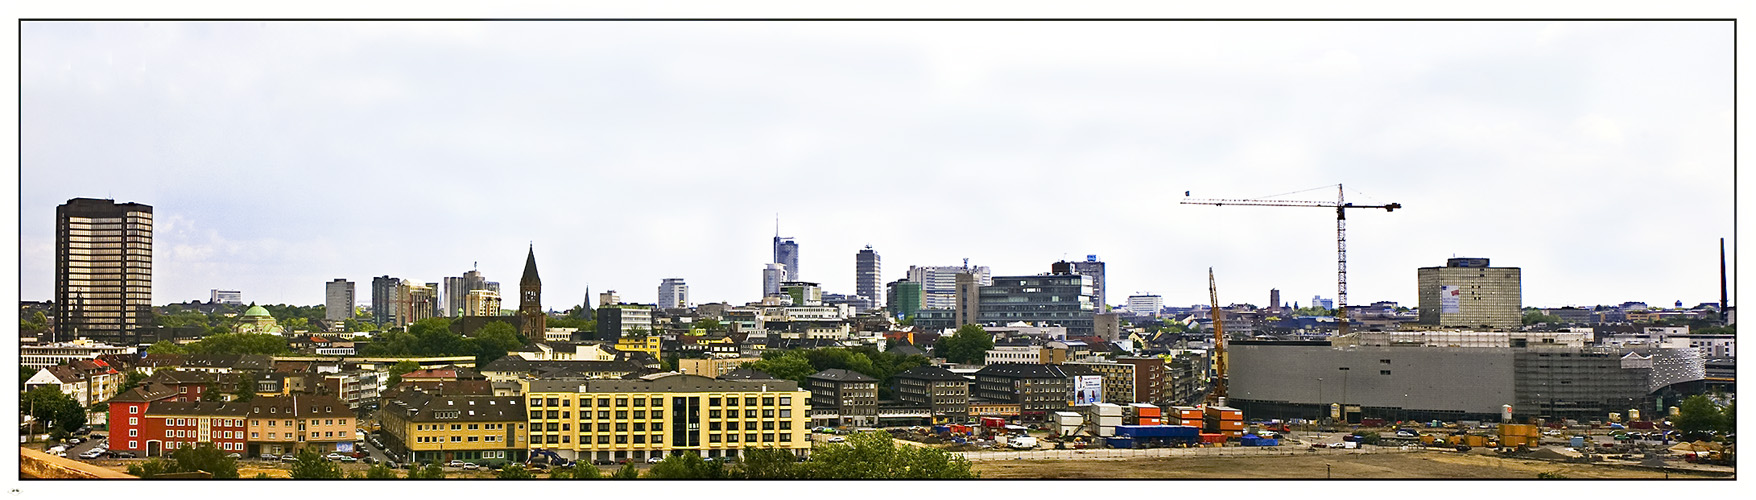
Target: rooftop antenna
x,y
777,224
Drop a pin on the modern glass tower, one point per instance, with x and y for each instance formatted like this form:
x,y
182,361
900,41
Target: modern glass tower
x,y
103,270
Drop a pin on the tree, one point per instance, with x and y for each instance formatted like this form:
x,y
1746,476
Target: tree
x,y
400,368
312,465
429,471
786,365
206,458
768,463
579,470
165,347
687,466
53,410
494,340
711,325
874,455
151,468
132,380
1536,316
514,471
244,392
1696,415
1728,419
25,373
380,471
628,471
969,345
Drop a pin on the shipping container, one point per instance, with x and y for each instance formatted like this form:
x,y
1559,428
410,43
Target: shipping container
x,y
1213,438
1120,442
1577,442
1225,413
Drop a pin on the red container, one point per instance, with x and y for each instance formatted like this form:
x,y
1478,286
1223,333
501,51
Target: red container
x,y
993,422
1213,438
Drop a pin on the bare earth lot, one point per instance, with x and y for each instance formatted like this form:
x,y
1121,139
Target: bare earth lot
x,y
1423,465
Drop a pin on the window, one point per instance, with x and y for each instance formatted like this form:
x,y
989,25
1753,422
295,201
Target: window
x,y
253,435
567,427
786,425
536,402
713,438
786,414
713,401
313,434
457,427
731,438
554,402
712,413
768,425
170,421
604,427
472,427
603,439
328,422
620,402
472,439
768,437
259,422
564,402
622,439
603,401
620,427
133,445
767,401
713,426
566,414
658,439
767,413
639,439
639,426
536,414
566,439
603,414
1383,372
750,425
456,439
622,414
658,403
786,400
168,433
1384,361
133,420
289,423
133,433
639,402
133,410
749,401
749,413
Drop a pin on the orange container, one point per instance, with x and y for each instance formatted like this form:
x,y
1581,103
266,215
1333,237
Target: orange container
x,y
1148,412
1150,421
1231,425
1186,412
1225,413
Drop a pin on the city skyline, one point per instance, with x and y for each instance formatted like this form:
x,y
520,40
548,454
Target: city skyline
x,y
1011,144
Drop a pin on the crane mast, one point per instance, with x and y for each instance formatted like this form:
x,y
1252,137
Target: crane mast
x,y
1341,205
1219,342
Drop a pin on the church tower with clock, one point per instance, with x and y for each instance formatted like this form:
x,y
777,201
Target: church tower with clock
x,y
530,298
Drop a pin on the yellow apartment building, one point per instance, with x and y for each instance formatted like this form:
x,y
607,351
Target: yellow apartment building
x,y
663,414
422,427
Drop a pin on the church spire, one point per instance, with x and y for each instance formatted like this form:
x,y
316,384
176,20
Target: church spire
x,y
530,269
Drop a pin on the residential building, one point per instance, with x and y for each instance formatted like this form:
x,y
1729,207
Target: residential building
x,y
939,283
338,300
664,414
843,397
1094,268
1149,379
1014,353
1467,293
384,299
103,270
191,385
233,297
712,367
128,426
648,342
1149,305
673,293
946,393
439,428
1119,382
285,424
530,298
617,320
88,381
55,353
1038,389
868,276
903,298
172,425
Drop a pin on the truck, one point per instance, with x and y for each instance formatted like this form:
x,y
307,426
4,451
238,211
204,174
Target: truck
x,y
1022,443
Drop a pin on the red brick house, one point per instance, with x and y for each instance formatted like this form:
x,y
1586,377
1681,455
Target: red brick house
x,y
129,427
172,425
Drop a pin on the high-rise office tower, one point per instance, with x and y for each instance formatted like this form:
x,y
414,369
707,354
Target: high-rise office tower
x,y
530,298
1466,293
867,278
966,298
338,300
786,253
772,276
384,299
939,283
103,270
1095,269
414,302
458,288
673,293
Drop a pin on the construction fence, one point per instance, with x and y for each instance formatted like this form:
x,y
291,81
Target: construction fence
x,y
1129,453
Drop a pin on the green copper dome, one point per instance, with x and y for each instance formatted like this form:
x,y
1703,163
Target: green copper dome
x,y
256,310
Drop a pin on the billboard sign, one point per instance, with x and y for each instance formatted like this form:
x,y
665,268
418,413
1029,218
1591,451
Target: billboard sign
x,y
1088,390
1449,297
344,447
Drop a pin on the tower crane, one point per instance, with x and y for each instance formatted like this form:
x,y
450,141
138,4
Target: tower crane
x,y
1219,343
1341,205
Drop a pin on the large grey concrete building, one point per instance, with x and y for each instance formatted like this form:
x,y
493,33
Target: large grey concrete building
x,y
1466,293
103,270
338,300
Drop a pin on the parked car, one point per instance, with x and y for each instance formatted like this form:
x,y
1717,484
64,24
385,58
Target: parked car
x,y
289,458
75,441
234,456
455,463
603,462
89,455
653,460
334,456
121,454
368,460
1407,433
470,466
269,456
348,459
837,439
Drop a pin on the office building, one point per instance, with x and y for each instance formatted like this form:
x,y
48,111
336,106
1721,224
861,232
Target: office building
x,y
673,293
458,288
482,303
1145,305
663,414
338,300
786,253
414,302
384,299
609,298
103,270
530,298
55,353
233,297
946,393
618,320
868,276
1038,389
1466,293
804,293
1094,268
843,397
903,298
939,283
1062,299
966,303
773,274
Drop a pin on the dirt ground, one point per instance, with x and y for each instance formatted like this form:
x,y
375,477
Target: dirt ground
x,y
1427,465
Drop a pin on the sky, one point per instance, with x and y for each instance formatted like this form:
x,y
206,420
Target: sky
x,y
1596,156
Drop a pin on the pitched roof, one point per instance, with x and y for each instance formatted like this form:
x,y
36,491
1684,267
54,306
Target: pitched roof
x,y
667,383
146,393
425,407
908,350
1021,370
840,375
301,406
927,372
521,365
205,408
746,374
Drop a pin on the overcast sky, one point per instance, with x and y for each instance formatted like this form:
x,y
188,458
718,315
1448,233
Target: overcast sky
x,y
1597,156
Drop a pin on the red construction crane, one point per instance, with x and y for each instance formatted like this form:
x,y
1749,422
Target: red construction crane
x,y
1341,205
